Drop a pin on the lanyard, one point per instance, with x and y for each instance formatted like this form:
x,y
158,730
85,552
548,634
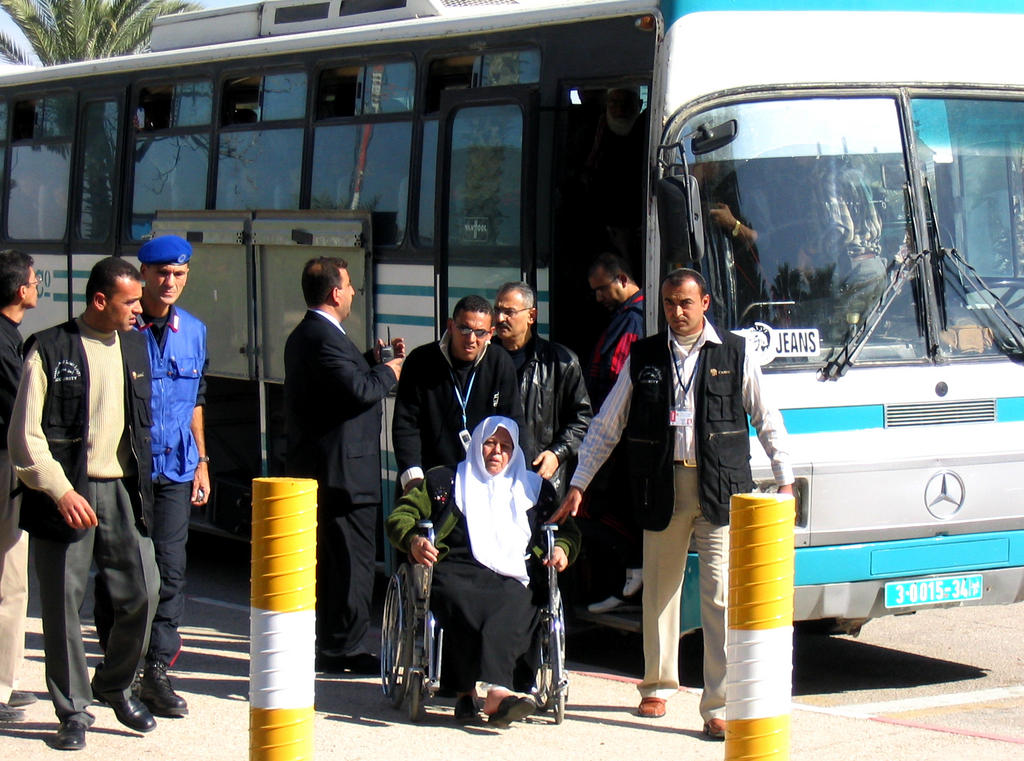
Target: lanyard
x,y
458,395
679,372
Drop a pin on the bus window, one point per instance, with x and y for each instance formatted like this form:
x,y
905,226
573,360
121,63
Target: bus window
x,y
260,167
185,104
365,165
99,170
3,134
172,148
484,223
40,168
337,92
517,67
495,69
428,184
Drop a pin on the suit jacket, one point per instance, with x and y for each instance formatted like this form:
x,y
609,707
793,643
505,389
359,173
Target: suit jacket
x,y
333,407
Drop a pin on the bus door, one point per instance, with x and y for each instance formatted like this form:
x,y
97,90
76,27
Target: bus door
x,y
599,207
245,285
220,293
486,220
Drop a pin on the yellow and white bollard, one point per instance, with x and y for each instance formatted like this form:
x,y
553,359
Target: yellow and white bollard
x,y
282,624
759,675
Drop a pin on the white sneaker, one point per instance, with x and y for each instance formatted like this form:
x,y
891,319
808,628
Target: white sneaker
x,y
604,606
634,581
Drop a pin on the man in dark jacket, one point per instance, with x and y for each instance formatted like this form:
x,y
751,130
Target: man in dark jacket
x,y
19,292
79,441
449,387
556,408
333,399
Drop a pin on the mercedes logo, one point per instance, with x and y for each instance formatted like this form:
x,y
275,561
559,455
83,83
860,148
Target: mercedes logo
x,y
944,494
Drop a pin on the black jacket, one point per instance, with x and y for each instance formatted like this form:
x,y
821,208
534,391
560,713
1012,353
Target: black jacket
x,y
333,409
556,407
721,430
65,423
428,417
10,373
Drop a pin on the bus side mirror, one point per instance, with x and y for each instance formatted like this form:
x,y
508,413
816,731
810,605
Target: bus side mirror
x,y
679,221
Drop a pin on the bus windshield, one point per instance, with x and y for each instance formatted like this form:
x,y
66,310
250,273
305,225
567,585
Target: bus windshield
x,y
804,217
971,152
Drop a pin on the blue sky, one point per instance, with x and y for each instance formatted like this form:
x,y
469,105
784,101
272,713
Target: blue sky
x,y
8,27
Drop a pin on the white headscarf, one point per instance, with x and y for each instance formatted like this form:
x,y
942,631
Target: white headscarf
x,y
495,506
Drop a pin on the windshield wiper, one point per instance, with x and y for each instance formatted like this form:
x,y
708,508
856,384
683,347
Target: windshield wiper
x,y
1011,336
841,357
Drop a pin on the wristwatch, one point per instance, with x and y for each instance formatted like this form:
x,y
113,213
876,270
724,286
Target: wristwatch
x,y
205,458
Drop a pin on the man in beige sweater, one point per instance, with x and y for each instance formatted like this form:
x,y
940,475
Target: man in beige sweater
x,y
79,441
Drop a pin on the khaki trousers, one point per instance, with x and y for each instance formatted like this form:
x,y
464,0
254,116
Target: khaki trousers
x,y
13,582
664,565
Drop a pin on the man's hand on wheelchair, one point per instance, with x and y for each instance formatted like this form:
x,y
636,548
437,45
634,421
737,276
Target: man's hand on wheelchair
x,y
570,505
559,560
422,551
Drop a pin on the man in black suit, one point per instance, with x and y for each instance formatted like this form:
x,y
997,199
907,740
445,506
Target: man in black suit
x,y
333,404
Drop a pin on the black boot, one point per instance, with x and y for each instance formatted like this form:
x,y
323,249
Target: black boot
x,y
156,692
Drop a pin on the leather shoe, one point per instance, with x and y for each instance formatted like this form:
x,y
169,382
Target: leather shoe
x,y
156,692
71,735
465,709
131,712
651,708
511,709
714,729
362,664
21,699
10,713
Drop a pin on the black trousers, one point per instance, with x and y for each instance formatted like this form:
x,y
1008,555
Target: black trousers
x,y
346,550
169,532
488,621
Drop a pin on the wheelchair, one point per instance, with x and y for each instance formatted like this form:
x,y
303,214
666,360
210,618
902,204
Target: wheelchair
x,y
411,640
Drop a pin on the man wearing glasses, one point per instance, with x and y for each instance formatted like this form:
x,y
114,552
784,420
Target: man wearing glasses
x,y
449,386
556,408
19,291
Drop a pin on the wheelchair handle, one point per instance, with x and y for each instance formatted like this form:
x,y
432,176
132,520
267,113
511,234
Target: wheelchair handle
x,y
549,534
425,529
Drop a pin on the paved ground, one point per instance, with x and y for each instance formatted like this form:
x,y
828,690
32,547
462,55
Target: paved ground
x,y
353,721
940,685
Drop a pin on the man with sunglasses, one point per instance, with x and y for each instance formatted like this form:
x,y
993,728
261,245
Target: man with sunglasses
x,y
449,386
556,407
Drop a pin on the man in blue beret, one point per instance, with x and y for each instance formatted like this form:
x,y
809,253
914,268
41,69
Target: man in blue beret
x,y
177,352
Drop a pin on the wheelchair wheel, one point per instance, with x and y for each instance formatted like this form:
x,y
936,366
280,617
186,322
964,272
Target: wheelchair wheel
x,y
552,682
416,695
396,639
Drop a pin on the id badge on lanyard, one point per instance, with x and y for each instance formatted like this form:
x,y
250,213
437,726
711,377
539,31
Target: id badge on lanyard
x,y
681,417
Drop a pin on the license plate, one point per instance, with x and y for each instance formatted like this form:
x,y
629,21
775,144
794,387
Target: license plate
x,y
902,594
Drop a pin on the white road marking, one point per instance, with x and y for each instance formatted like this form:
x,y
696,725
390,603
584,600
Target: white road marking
x,y
867,710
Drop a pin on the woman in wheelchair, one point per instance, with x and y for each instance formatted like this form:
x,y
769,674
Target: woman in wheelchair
x,y
489,581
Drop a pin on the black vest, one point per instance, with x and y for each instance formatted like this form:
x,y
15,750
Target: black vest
x,y
721,430
65,423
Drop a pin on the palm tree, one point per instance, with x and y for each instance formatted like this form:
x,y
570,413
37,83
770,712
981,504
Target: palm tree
x,y
62,31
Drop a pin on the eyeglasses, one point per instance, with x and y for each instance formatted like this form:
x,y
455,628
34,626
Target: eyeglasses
x,y
465,330
509,312
33,283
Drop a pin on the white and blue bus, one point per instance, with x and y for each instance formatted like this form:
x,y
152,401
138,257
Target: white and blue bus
x,y
849,176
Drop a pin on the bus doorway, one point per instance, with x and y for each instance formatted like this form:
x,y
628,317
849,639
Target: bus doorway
x,y
599,204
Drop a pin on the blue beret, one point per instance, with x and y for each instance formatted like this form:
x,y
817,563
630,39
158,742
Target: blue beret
x,y
167,249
